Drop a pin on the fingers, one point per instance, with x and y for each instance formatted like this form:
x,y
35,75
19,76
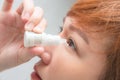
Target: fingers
x,y
34,19
36,23
20,9
40,52
26,9
40,27
7,5
32,16
23,56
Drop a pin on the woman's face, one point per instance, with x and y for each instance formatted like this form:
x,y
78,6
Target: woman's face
x,y
82,59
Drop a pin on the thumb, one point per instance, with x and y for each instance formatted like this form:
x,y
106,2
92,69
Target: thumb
x,y
24,56
10,60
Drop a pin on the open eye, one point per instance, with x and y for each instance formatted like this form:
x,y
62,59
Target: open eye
x,y
71,44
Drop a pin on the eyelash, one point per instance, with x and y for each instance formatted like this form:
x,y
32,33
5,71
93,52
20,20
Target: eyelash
x,y
70,42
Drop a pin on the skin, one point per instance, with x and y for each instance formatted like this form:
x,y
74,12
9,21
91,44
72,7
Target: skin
x,y
13,23
84,61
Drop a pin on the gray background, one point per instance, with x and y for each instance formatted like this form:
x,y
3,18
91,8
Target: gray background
x,y
55,11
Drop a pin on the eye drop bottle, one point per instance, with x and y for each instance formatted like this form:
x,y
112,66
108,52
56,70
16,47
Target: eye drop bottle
x,y
33,39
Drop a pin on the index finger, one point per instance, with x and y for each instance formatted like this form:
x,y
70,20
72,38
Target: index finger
x,y
7,5
28,8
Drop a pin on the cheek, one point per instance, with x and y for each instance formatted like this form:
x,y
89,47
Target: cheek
x,y
64,66
68,66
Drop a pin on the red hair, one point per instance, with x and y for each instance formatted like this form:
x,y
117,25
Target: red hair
x,y
105,16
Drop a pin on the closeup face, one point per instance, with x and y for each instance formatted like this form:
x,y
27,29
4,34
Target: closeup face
x,y
82,59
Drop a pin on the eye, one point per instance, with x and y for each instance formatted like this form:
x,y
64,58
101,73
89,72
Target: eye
x,y
71,44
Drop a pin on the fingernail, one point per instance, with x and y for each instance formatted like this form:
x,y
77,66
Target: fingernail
x,y
29,27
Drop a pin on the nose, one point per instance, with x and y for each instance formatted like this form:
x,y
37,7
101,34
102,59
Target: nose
x,y
46,57
41,52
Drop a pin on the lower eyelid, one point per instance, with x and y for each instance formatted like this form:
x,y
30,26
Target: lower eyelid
x,y
68,47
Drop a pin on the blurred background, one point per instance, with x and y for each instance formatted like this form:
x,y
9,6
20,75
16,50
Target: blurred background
x,y
55,11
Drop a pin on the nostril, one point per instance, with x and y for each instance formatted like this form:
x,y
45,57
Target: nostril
x,y
46,58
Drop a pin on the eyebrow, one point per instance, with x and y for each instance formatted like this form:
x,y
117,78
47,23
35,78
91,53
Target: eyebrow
x,y
80,33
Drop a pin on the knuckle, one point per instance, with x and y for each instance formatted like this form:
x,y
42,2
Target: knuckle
x,y
39,9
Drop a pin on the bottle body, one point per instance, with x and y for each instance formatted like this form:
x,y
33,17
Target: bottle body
x,y
33,39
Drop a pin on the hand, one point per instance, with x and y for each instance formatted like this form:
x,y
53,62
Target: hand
x,y
12,27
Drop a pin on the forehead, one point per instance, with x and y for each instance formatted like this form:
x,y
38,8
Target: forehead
x,y
88,29
82,29
72,21
71,26
92,39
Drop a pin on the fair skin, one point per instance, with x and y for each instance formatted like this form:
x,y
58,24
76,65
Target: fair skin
x,y
13,23
82,60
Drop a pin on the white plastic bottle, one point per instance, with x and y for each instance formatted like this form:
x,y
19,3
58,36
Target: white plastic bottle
x,y
33,39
